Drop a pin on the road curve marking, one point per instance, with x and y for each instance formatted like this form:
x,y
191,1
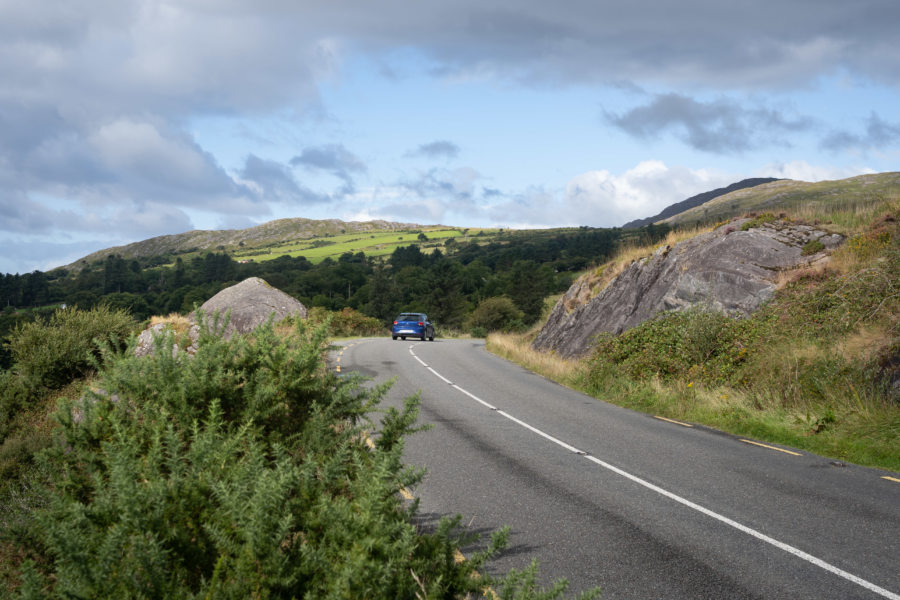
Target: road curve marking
x,y
772,447
672,421
891,479
818,562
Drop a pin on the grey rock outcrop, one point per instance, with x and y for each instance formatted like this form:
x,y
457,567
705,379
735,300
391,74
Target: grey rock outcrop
x,y
249,304
727,270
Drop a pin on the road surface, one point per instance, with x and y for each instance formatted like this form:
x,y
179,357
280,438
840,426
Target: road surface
x,y
640,506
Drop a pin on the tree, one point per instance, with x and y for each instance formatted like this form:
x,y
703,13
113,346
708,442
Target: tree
x,y
496,314
383,295
445,302
528,285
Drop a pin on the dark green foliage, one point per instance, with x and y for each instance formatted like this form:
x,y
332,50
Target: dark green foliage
x,y
495,314
49,353
689,344
13,396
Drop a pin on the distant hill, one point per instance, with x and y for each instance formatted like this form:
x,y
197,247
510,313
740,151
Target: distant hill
x,y
697,200
273,232
793,196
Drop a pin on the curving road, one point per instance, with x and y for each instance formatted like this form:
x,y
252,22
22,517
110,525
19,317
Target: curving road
x,y
642,507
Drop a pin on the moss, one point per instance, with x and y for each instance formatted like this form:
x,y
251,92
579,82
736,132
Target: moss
x,y
812,247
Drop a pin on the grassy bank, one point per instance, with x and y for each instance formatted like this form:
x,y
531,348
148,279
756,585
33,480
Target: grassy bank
x,y
818,368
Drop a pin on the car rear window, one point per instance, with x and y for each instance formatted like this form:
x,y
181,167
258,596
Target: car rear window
x,y
410,317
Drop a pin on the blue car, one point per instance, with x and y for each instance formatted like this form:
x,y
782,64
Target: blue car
x,y
413,325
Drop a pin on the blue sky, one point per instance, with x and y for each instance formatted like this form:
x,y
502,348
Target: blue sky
x,y
125,119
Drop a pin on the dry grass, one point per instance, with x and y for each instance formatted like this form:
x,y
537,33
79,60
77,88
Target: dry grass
x,y
179,323
845,216
867,343
598,278
516,347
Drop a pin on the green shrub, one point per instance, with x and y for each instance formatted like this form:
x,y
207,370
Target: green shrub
x,y
49,353
694,344
13,396
496,314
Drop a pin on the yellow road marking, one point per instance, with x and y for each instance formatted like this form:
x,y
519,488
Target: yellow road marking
x,y
772,447
891,478
672,421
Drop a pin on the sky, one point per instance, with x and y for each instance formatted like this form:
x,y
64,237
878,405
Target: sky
x,y
121,120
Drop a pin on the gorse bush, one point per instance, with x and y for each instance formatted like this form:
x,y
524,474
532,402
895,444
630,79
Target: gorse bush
x,y
49,353
240,472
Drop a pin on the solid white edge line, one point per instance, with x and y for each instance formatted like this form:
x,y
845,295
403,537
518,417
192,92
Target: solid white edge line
x,y
556,441
439,376
475,398
752,532
685,502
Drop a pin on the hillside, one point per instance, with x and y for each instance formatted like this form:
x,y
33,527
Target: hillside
x,y
680,207
795,196
267,234
816,367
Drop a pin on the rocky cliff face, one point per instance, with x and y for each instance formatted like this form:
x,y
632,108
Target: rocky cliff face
x,y
727,270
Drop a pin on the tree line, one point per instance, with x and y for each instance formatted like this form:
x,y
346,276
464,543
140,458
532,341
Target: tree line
x,y
448,283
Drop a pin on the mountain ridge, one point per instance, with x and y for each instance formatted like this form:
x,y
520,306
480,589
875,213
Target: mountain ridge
x,y
699,199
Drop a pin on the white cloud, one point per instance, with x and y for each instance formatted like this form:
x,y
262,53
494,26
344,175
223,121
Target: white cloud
x,y
601,198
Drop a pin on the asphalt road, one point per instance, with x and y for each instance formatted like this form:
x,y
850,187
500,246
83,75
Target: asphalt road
x,y
642,507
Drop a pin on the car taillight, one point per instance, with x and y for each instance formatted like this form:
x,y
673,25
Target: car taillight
x,y
395,322
421,324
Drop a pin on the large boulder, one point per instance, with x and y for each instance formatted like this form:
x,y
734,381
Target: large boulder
x,y
250,304
728,270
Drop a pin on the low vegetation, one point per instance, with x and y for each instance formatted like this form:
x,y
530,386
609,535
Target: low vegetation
x,y
817,368
241,471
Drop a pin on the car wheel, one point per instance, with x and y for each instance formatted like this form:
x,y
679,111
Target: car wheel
x,y
403,337
393,337
431,337
423,337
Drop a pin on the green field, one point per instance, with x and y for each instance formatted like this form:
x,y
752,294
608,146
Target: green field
x,y
372,244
